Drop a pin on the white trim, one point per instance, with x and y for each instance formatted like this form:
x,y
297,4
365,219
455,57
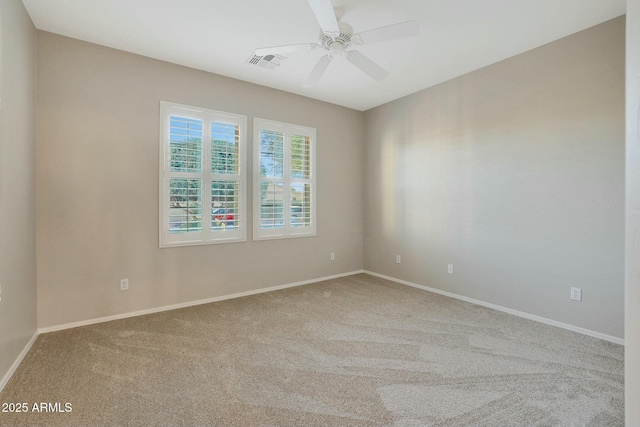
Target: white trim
x,y
190,303
17,362
529,316
540,319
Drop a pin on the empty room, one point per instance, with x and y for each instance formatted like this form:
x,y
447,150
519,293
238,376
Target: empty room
x,y
319,212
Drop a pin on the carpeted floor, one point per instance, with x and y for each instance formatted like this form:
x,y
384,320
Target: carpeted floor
x,y
355,351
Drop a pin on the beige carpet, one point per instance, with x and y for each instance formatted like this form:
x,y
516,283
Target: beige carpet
x,y
356,351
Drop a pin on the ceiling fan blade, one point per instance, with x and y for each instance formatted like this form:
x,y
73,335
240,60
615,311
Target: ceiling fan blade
x,y
367,66
318,71
323,9
390,32
277,50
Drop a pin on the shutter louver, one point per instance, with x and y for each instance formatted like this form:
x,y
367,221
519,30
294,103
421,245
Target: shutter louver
x,y
300,205
185,195
225,190
224,148
185,144
300,157
225,214
272,190
300,197
185,206
271,154
271,204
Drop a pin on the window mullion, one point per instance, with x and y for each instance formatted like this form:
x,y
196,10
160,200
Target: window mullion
x,y
185,175
270,179
206,178
287,181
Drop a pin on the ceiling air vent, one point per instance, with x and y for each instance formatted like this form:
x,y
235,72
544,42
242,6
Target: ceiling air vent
x,y
266,61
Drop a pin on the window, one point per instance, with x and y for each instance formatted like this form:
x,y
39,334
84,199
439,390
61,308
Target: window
x,y
284,180
202,176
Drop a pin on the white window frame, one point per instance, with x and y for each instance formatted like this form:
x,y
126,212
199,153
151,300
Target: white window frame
x,y
206,235
287,231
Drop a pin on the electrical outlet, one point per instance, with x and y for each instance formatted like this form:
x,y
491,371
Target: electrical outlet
x,y
450,268
124,284
576,294
333,256
398,260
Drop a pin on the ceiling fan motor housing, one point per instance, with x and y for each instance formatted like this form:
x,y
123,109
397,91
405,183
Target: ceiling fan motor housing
x,y
337,42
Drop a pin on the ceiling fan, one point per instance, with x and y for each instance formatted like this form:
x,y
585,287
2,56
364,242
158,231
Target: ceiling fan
x,y
337,38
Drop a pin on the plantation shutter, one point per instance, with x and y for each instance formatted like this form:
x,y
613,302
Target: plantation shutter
x,y
203,177
284,180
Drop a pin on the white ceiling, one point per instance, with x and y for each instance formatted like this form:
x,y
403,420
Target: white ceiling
x,y
456,37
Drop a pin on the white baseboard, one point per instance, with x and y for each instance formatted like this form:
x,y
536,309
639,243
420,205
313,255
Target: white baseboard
x,y
540,319
188,304
17,362
529,316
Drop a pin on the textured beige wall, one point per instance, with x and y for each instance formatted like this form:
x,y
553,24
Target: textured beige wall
x,y
513,173
97,186
17,181
632,297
